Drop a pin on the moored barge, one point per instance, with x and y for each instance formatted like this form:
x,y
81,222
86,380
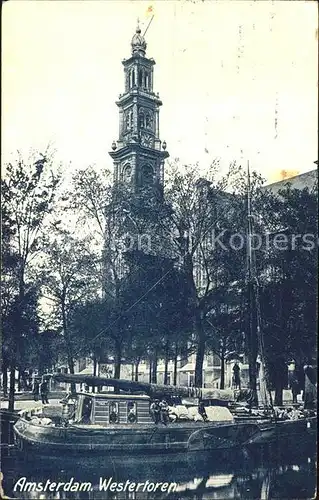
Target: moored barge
x,y
108,423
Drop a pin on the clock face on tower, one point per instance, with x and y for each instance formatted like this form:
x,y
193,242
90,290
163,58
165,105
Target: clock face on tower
x,y
146,140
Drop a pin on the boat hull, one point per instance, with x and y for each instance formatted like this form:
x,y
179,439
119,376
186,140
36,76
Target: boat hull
x,y
132,438
286,432
174,438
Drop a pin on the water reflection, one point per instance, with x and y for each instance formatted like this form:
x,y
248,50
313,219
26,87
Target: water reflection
x,y
263,475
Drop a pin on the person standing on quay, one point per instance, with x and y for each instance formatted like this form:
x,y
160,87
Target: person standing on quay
x,y
294,386
36,390
155,411
44,391
164,412
202,411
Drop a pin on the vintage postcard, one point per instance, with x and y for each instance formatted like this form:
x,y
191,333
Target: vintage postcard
x,y
159,249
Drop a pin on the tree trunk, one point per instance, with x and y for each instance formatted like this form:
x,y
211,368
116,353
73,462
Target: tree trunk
x,y
166,364
278,395
68,344
154,369
175,365
222,368
71,364
94,366
71,369
118,360
150,372
13,362
12,388
94,371
19,379
165,381
24,380
200,352
136,370
5,367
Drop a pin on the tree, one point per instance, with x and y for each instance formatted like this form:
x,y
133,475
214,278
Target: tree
x,y
89,325
119,218
97,205
202,214
225,328
90,194
23,318
49,349
155,310
28,196
194,206
68,279
100,207
9,286
288,294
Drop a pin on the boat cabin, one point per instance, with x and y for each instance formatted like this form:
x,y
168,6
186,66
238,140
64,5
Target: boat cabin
x,y
110,409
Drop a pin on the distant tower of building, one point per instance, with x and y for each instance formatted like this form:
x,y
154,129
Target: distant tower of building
x,y
139,154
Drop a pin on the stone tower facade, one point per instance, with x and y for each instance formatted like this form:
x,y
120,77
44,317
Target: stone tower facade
x,y
139,154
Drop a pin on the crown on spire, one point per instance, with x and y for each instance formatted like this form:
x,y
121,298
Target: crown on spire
x,y
138,42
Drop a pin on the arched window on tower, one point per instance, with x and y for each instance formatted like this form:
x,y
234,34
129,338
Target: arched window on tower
x,y
146,80
127,173
141,120
148,120
132,77
147,175
140,78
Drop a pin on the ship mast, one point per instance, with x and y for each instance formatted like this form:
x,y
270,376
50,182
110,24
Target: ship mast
x,y
252,343
255,335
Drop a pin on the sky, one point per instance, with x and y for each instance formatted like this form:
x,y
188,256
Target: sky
x,y
238,79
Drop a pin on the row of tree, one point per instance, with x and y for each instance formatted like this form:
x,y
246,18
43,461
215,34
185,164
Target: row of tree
x,y
96,270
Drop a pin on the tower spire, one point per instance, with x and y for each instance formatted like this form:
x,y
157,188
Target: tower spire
x,y
138,43
139,154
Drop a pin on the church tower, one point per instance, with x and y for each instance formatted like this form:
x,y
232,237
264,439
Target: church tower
x,y
139,154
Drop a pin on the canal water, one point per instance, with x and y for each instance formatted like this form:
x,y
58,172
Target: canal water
x,y
255,474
